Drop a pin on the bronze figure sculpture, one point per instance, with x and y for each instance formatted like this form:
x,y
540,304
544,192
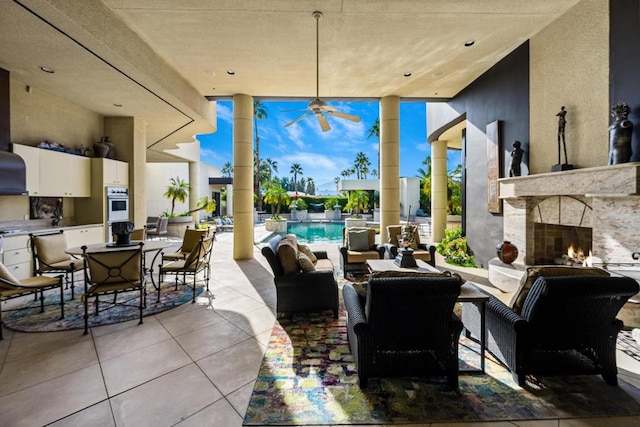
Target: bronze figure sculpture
x,y
620,133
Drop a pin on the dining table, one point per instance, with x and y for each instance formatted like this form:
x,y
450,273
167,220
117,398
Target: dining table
x,y
149,246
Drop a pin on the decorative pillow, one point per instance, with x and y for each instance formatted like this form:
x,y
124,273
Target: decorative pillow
x,y
358,240
412,243
288,255
308,252
305,263
532,273
6,275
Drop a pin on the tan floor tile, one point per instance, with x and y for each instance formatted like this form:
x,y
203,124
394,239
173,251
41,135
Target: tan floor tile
x,y
95,416
220,414
99,331
59,397
254,322
239,399
210,339
264,337
41,367
599,422
26,345
242,304
235,366
166,400
134,368
190,320
130,339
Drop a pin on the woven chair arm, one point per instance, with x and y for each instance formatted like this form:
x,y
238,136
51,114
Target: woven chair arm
x,y
381,249
391,248
321,254
354,308
505,314
310,278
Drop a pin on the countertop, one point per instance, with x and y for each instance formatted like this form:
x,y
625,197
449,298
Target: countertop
x,y
26,227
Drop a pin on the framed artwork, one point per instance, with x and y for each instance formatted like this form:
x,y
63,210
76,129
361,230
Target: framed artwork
x,y
45,207
494,163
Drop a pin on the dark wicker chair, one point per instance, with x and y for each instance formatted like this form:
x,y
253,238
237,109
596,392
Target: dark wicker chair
x,y
568,326
424,251
304,291
352,261
406,327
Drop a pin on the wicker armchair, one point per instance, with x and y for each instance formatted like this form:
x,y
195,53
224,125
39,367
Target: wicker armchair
x,y
406,327
353,258
424,251
567,326
303,291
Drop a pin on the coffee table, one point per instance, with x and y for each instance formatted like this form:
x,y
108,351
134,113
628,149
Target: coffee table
x,y
469,293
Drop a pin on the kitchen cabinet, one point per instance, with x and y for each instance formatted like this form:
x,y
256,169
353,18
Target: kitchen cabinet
x,y
84,236
31,157
64,175
115,172
17,256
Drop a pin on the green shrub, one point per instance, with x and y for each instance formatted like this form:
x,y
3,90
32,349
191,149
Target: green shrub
x,y
301,204
454,248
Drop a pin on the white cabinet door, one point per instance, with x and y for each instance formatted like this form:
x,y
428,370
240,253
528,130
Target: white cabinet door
x,y
115,172
31,157
64,175
84,236
79,176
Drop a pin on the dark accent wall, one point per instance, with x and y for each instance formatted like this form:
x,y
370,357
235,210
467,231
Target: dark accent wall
x,y
624,62
5,116
502,93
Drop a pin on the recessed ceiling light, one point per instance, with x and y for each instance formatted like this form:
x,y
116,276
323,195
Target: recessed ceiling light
x,y
47,70
117,105
209,73
407,74
438,74
231,72
469,43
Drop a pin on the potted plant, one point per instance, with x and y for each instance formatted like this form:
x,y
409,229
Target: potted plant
x,y
178,189
276,195
302,208
358,201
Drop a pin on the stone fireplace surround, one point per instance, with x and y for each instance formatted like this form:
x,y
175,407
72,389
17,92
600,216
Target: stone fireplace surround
x,y
604,199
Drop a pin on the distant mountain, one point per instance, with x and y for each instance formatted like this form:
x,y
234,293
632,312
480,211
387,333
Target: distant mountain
x,y
326,189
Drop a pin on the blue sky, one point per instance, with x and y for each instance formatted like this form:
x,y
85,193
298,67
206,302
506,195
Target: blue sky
x,y
323,155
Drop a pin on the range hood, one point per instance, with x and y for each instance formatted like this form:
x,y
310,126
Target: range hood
x,y
13,172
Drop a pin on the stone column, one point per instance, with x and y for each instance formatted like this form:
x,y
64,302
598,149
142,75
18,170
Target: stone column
x,y
389,163
194,189
242,177
438,190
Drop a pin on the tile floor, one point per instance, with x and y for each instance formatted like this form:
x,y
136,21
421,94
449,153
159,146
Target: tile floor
x,y
191,366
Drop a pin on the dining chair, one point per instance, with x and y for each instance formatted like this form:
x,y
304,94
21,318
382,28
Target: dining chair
x,y
49,257
112,272
189,241
11,287
161,228
198,261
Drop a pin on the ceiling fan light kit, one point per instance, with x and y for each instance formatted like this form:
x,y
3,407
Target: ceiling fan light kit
x,y
318,107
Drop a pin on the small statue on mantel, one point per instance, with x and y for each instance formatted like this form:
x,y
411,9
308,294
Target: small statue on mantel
x,y
562,123
620,133
516,159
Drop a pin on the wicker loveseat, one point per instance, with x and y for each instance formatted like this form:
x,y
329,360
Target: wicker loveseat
x,y
404,327
566,325
314,289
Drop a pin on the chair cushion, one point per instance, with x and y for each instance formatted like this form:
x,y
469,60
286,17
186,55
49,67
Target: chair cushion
x,y
358,240
361,256
51,249
532,273
6,275
288,255
308,252
422,255
324,264
305,263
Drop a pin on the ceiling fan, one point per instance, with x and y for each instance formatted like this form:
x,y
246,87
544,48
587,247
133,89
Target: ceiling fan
x,y
318,107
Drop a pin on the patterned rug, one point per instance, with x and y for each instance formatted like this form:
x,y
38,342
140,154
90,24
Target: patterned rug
x,y
27,317
308,377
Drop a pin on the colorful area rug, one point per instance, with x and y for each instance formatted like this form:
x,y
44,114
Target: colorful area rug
x,y
27,317
308,377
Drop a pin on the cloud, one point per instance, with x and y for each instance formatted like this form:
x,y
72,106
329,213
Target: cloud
x,y
225,112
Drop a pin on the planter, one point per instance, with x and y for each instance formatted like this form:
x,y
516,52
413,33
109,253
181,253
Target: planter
x,y
276,225
355,222
178,224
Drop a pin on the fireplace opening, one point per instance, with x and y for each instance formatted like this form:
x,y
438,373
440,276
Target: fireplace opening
x,y
552,242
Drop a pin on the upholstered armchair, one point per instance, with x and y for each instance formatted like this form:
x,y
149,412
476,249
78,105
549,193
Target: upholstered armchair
x,y
49,257
358,245
301,287
190,239
404,327
424,251
565,326
161,228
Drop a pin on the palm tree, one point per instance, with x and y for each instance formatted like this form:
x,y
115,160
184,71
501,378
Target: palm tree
x,y
425,183
272,166
336,181
227,170
311,186
205,204
345,173
259,113
178,189
276,195
358,200
361,164
296,170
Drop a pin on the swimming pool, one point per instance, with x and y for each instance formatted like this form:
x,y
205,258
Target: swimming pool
x,y
316,232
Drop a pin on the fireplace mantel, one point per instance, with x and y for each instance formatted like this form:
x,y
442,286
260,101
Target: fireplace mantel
x,y
615,180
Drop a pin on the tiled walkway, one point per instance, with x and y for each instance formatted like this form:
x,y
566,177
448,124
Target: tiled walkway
x,y
193,366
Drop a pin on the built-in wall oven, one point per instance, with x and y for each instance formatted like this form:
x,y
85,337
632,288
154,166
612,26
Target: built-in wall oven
x,y
117,206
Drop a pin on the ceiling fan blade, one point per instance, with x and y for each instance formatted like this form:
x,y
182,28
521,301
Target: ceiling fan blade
x,y
343,115
324,123
298,119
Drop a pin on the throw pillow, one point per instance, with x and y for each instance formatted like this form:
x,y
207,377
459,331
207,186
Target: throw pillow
x,y
358,240
288,256
6,275
308,252
412,243
532,273
305,263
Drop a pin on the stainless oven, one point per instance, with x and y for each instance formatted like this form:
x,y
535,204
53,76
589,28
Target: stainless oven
x,y
117,204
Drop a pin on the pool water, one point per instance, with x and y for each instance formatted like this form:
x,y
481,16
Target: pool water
x,y
316,232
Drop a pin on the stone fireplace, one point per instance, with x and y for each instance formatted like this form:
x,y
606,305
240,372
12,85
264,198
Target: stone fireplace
x,y
596,208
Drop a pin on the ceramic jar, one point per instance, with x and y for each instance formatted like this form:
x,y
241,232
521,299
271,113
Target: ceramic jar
x,y
507,252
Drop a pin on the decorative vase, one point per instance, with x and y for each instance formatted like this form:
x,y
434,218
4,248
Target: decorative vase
x,y
507,252
100,149
620,133
123,231
111,154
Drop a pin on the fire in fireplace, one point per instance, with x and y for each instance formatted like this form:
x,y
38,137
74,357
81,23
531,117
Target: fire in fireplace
x,y
561,244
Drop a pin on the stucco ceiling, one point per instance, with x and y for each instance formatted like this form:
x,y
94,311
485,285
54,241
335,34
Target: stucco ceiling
x,y
162,59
